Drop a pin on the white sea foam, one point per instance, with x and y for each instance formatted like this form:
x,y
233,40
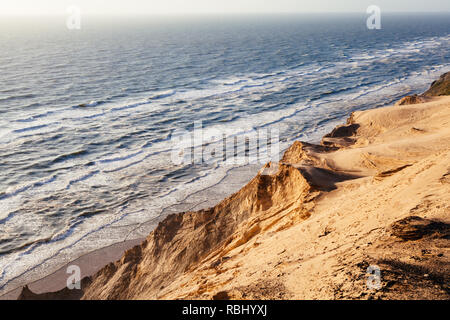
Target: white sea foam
x,y
83,234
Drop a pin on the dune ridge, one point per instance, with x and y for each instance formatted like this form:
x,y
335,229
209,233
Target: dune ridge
x,y
375,192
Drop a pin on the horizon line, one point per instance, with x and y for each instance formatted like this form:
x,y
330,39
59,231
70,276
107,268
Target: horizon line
x,y
178,14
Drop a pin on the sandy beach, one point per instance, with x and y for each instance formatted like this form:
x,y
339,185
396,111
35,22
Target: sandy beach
x,y
373,195
89,264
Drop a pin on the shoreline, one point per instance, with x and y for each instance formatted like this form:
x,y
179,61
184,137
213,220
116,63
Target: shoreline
x,y
191,202
89,264
26,269
335,139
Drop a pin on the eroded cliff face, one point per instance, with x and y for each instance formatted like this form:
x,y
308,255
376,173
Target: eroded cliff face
x,y
183,240
312,227
440,87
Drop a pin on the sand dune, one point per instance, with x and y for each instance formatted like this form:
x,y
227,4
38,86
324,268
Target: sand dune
x,y
375,192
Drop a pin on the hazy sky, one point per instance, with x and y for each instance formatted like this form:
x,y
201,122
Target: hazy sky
x,y
214,6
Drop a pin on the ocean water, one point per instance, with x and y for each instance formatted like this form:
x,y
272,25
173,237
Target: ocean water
x,y
88,116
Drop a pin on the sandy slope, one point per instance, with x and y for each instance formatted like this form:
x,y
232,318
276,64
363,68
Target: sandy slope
x,y
375,192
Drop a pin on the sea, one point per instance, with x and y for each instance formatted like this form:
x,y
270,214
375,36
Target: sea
x,y
91,119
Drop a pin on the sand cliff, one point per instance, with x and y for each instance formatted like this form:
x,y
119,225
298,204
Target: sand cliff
x,y
376,191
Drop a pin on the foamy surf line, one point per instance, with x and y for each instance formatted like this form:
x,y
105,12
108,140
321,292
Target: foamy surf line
x,y
131,155
391,90
259,122
86,111
133,222
59,253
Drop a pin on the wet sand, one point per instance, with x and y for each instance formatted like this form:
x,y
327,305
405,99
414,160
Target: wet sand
x,y
89,264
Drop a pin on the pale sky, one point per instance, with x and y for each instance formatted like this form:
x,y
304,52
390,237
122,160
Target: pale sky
x,y
119,7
